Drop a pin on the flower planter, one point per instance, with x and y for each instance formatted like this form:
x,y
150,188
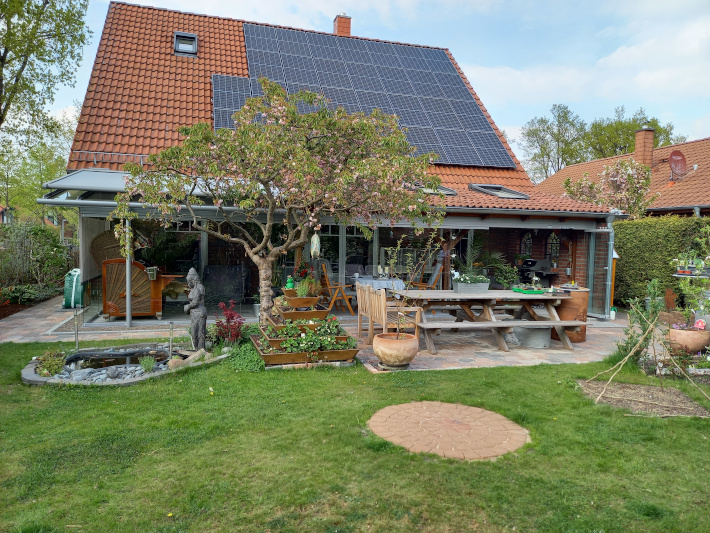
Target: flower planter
x,y
690,340
303,315
470,288
395,350
290,293
307,301
275,342
302,327
288,358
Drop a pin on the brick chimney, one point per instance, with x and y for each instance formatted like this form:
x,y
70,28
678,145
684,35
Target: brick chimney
x,y
341,25
643,150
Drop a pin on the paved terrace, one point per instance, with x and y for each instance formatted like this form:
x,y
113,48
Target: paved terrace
x,y
48,322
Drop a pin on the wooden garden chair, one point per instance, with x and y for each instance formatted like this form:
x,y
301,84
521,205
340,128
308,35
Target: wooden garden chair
x,y
433,280
336,292
373,304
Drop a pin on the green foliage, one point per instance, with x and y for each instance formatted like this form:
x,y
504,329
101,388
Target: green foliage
x,y
31,254
507,275
247,331
646,248
308,286
50,363
28,294
551,144
607,137
472,277
147,363
245,358
42,43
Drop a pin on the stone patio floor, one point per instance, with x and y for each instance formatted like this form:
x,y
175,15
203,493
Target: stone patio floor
x,y
455,350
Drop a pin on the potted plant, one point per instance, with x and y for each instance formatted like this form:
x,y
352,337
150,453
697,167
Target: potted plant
x,y
308,292
256,304
471,283
507,275
286,312
692,339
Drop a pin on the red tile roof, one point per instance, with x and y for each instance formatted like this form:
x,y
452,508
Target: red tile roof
x,y
140,92
690,190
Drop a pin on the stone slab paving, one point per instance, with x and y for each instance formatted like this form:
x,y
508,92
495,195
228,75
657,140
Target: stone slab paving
x,y
450,430
478,349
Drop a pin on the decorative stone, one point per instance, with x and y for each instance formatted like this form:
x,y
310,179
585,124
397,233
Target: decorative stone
x,y
196,308
226,349
112,372
176,363
79,375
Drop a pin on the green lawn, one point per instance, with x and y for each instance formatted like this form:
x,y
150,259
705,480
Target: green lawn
x,y
290,451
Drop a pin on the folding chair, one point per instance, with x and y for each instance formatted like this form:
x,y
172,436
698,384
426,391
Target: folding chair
x,y
336,292
433,280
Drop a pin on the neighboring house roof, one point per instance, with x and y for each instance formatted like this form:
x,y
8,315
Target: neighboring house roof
x,y
141,91
684,192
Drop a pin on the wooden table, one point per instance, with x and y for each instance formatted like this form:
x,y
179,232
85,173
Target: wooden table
x,y
486,319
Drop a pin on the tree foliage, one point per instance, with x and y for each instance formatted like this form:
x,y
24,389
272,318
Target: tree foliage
x,y
623,185
550,144
24,169
280,166
607,137
41,45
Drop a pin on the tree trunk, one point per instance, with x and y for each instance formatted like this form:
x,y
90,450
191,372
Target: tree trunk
x,y
266,270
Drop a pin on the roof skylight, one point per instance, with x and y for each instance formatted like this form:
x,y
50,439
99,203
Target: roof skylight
x,y
497,190
185,43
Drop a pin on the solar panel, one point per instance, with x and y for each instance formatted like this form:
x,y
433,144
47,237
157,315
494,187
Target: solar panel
x,y
495,158
420,85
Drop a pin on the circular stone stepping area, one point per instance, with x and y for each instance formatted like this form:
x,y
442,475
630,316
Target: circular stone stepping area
x,y
451,430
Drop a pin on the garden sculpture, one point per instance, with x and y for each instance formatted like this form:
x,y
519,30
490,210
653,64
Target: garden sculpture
x,y
197,310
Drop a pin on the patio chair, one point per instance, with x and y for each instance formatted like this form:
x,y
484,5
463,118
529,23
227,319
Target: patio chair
x,y
373,304
335,292
433,281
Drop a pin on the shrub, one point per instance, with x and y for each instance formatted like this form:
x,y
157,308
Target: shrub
x,y
506,275
646,248
31,254
28,294
50,364
147,363
229,330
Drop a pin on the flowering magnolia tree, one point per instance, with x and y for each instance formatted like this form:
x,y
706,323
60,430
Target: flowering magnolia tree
x,y
624,185
280,166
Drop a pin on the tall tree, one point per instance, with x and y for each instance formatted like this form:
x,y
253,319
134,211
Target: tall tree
x,y
281,167
41,45
607,137
552,143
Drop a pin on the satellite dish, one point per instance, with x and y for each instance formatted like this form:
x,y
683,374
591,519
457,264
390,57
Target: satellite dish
x,y
677,162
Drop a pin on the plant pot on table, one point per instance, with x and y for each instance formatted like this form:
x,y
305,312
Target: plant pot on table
x,y
395,350
470,288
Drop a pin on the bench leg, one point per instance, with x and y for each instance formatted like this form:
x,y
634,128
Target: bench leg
x,y
564,338
370,330
359,325
429,340
502,345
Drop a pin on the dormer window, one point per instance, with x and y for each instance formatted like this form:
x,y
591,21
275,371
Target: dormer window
x,y
185,43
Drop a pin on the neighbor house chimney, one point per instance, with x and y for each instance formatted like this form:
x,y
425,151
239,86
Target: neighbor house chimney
x,y
341,25
643,150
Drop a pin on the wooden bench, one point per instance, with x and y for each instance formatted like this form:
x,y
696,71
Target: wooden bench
x,y
499,327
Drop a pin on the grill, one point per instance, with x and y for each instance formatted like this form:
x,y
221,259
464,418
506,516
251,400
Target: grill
x,y
542,268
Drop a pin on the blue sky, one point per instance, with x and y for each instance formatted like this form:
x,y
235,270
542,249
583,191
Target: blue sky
x,y
520,56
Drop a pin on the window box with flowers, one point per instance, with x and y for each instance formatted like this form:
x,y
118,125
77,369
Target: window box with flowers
x,y
471,283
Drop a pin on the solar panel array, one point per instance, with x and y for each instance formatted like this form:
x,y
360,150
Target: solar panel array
x,y
419,85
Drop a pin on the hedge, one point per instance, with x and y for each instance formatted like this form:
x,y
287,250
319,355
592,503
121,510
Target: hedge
x,y
646,248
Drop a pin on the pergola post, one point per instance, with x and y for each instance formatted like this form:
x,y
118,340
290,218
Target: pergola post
x,y
129,262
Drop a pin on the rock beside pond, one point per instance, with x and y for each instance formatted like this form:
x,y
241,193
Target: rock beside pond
x,y
79,375
112,372
176,363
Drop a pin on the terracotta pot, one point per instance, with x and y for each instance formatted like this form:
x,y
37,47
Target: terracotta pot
x,y
395,350
690,340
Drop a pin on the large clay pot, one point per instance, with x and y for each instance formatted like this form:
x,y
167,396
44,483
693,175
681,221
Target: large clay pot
x,y
690,340
395,350
574,309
